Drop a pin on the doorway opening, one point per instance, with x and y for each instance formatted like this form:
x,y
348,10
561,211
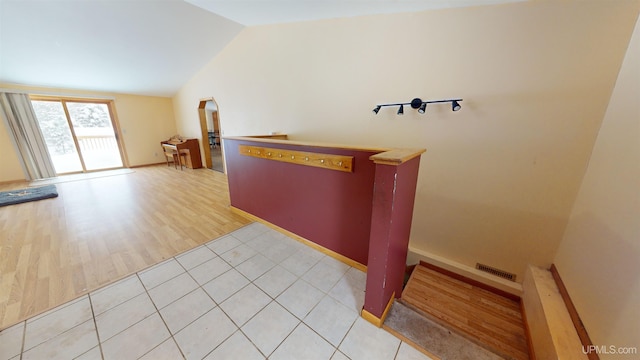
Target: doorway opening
x,y
81,135
210,124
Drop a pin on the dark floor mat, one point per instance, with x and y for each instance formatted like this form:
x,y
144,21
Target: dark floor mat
x,y
25,195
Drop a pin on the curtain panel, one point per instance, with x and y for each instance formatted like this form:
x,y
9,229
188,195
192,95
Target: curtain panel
x,y
27,137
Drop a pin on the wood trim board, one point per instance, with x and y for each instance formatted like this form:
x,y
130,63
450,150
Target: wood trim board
x,y
573,313
374,319
326,161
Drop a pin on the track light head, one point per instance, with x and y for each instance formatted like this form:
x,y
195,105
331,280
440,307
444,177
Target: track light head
x,y
401,110
423,108
375,111
455,106
416,103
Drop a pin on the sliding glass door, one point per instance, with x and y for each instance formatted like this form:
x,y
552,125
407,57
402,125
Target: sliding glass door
x,y
95,135
80,134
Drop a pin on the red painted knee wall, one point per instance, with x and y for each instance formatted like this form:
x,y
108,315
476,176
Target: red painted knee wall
x,y
331,208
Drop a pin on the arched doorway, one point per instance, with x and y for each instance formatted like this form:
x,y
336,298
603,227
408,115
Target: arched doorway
x,y
209,114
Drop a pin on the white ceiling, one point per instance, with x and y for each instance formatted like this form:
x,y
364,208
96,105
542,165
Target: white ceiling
x,y
149,47
125,46
261,12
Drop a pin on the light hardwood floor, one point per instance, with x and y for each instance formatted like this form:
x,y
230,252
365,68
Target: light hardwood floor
x,y
100,230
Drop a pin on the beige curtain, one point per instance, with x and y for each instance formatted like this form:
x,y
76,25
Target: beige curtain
x,y
20,119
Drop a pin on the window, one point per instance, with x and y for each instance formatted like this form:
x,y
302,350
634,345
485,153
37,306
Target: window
x,y
80,134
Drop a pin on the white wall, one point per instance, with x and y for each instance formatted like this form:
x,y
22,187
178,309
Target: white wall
x,y
500,176
599,257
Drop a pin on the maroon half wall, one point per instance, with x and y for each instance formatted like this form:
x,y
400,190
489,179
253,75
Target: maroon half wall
x,y
328,207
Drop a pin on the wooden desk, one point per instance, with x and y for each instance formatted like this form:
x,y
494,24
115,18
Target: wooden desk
x,y
191,148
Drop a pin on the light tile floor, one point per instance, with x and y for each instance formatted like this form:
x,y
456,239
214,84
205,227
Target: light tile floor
x,y
253,294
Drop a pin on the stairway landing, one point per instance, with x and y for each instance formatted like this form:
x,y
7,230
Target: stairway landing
x,y
487,319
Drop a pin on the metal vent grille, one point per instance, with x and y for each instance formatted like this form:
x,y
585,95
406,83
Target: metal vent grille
x,y
496,272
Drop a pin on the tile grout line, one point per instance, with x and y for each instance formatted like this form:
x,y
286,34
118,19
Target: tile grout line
x,y
346,334
300,321
314,330
397,350
199,286
205,291
146,291
326,294
218,304
24,338
95,324
52,311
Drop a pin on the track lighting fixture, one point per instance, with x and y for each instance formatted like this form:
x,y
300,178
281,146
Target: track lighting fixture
x,y
417,103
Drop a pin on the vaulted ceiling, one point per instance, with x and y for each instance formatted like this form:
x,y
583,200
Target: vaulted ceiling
x,y
149,47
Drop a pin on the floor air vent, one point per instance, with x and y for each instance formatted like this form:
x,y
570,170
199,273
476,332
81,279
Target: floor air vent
x,y
497,272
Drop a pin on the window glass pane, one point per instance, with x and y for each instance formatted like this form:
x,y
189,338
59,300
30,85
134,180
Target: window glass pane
x,y
96,136
57,135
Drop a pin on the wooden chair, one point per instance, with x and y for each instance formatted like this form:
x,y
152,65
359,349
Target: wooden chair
x,y
171,153
216,139
182,157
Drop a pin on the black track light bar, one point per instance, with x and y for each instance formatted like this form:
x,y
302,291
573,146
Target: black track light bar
x,y
417,103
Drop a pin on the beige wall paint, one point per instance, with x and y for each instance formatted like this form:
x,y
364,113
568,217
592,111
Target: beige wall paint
x,y
499,177
599,257
144,121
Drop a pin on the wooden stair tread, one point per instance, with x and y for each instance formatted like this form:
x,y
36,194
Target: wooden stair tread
x,y
486,318
499,316
487,304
